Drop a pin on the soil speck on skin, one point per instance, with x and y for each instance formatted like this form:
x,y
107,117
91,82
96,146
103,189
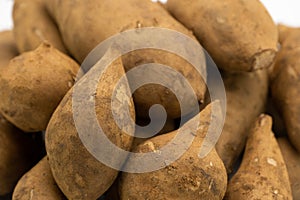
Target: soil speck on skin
x,y
31,194
221,20
210,184
138,24
151,146
271,161
248,187
262,120
70,84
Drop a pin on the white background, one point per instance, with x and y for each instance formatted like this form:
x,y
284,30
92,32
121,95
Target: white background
x,y
284,11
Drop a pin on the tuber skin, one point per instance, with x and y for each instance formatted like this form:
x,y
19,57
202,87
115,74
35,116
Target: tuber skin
x,y
19,152
285,84
38,184
81,24
243,107
239,35
263,173
189,177
33,25
77,172
8,48
292,160
33,85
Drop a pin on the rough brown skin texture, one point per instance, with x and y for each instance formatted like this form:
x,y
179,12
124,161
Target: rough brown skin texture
x,y
286,82
8,49
188,178
288,37
243,107
78,174
263,173
239,35
33,25
81,25
38,184
33,85
19,152
292,161
150,94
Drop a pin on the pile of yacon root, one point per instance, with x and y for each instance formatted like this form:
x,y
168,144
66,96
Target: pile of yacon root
x,y
42,155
